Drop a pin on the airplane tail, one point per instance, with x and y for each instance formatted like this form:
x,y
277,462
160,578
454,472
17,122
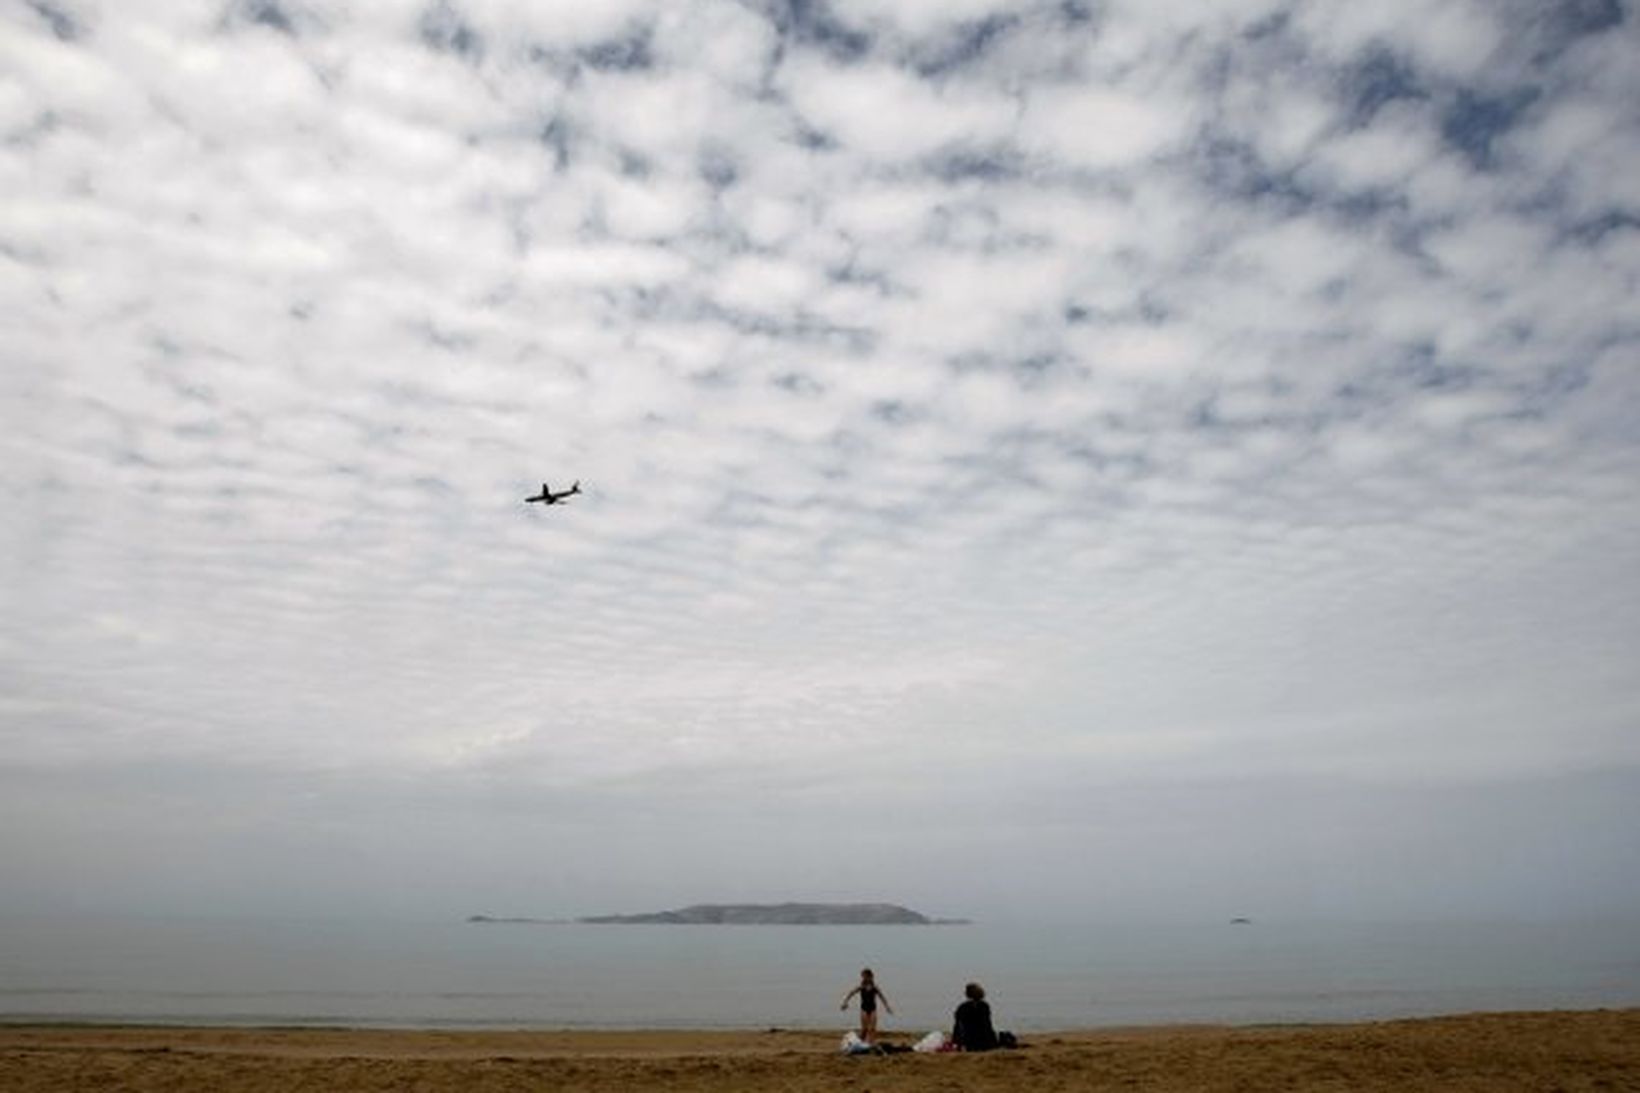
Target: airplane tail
x,y
577,487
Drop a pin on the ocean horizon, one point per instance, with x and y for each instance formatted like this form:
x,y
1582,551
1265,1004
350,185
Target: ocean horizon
x,y
455,974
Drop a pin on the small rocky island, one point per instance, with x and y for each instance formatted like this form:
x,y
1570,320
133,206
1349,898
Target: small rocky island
x,y
762,914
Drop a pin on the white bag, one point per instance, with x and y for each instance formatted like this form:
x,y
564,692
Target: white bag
x,y
932,1042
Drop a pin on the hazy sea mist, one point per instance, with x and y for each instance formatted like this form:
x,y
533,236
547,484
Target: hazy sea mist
x,y
1038,976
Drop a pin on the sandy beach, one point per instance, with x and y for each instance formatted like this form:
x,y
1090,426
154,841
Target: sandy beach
x,y
1563,1051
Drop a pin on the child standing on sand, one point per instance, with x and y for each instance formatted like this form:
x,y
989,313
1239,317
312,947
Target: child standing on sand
x,y
870,994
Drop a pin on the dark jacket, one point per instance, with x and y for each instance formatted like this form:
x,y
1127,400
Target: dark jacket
x,y
971,1027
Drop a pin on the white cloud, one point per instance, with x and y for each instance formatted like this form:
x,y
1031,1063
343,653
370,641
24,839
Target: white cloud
x,y
882,112
646,209
1158,354
1098,129
1456,37
560,25
1576,144
609,264
80,84
918,18
1486,251
663,115
727,42
889,214
1384,154
763,285
1298,256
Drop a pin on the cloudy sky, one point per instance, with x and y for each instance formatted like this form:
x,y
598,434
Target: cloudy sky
x,y
1168,457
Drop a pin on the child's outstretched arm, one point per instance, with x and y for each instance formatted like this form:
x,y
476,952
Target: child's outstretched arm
x,y
849,997
884,997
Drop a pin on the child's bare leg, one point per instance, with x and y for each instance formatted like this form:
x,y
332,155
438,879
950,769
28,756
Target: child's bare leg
x,y
868,1026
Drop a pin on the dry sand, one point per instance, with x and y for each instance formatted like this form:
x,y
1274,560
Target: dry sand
x,y
1597,1050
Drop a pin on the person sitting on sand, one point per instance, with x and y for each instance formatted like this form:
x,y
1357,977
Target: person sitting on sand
x,y
971,1028
869,993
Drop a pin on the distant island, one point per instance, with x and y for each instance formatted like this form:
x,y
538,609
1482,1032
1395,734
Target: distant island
x,y
760,914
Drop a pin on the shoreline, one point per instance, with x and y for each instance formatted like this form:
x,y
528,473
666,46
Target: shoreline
x,y
17,1021
901,1030
1535,1050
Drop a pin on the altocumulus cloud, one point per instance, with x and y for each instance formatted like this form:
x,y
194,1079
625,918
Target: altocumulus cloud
x,y
1066,428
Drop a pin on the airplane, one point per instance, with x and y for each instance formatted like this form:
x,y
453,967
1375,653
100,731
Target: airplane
x,y
547,497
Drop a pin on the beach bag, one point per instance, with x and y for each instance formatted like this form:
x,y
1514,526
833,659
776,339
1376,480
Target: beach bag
x,y
934,1041
853,1045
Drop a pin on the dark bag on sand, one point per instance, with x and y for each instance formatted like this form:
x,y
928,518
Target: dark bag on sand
x,y
1006,1039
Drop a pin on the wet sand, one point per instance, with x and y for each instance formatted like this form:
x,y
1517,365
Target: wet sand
x,y
1561,1051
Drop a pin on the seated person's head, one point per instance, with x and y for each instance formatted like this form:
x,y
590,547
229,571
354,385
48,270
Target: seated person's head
x,y
974,991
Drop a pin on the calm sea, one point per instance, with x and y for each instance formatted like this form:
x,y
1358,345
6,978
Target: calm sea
x,y
1037,977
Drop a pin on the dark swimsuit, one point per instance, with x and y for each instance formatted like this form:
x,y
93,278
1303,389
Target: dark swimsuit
x,y
868,999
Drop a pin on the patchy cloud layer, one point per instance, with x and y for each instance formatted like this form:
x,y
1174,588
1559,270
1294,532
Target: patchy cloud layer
x,y
1018,430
